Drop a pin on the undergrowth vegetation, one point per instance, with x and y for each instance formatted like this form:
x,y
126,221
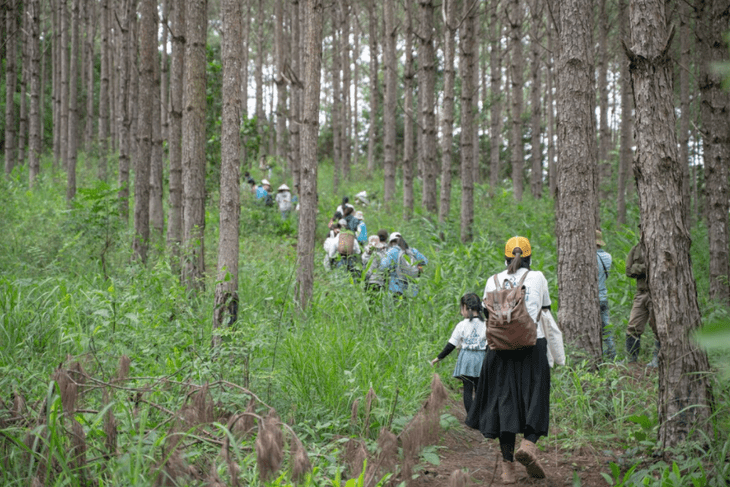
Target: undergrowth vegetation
x,y
107,371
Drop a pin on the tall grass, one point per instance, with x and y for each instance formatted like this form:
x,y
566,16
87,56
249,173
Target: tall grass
x,y
70,288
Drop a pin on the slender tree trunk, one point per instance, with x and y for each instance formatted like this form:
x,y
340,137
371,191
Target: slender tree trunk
x,y
157,215
134,70
495,83
177,75
345,145
535,90
517,69
104,92
714,111
684,390
373,47
91,22
143,161
426,94
43,48
389,118
56,67
626,119
194,139
65,76
259,80
34,149
25,60
310,129
408,117
281,130
476,159
550,102
225,310
447,114
355,130
467,65
604,132
73,105
296,95
165,72
575,213
10,81
123,113
336,110
684,107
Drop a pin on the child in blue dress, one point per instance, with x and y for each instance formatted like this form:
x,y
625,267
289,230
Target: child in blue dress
x,y
470,335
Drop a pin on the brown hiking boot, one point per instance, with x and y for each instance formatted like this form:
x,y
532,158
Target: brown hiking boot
x,y
527,456
508,472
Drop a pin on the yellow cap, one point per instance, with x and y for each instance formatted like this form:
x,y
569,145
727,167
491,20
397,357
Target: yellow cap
x,y
515,242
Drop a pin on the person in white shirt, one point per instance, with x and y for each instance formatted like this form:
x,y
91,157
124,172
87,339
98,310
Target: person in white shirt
x,y
470,337
283,199
513,395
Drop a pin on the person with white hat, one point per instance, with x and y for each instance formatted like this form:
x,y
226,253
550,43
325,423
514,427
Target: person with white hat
x,y
362,198
262,191
402,264
283,199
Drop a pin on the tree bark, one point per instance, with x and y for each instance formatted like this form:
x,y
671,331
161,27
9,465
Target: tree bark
x,y
56,89
517,69
104,92
177,75
91,21
714,112
684,106
73,106
25,62
408,117
336,109
550,102
447,114
65,65
426,94
259,80
467,65
373,47
389,106
626,137
281,130
346,134
310,130
495,83
194,139
604,132
225,310
34,142
165,72
296,95
575,209
535,102
684,389
143,161
123,113
10,85
157,215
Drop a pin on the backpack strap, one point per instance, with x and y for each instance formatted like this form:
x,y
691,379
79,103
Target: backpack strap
x,y
496,281
522,279
605,271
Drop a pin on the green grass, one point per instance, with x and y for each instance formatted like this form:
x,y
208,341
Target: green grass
x,y
70,288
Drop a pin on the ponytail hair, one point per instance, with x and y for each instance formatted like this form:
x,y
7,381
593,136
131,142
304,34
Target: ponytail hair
x,y
517,262
472,302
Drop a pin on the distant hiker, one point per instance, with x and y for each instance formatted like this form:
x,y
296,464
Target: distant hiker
x,y
604,265
335,220
642,309
342,249
250,181
330,246
362,232
402,264
362,198
351,222
372,257
345,204
262,192
513,394
283,199
470,337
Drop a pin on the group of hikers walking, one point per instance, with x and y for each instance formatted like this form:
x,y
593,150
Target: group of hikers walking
x,y
506,348
381,261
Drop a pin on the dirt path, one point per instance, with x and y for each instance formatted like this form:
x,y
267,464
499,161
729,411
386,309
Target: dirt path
x,y
463,448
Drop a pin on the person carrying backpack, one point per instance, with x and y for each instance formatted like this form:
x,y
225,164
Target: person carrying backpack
x,y
604,265
402,264
513,394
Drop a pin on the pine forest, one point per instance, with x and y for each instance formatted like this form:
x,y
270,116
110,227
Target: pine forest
x,y
237,234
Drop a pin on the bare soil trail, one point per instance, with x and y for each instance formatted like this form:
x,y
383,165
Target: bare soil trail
x,y
462,448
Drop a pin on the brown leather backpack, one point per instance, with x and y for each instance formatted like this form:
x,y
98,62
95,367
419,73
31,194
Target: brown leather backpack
x,y
509,325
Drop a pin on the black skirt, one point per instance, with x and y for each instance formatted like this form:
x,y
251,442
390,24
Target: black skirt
x,y
513,392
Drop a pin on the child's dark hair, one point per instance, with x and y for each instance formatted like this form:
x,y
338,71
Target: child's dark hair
x,y
472,302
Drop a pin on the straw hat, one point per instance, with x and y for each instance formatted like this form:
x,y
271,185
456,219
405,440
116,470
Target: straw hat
x,y
283,187
599,238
